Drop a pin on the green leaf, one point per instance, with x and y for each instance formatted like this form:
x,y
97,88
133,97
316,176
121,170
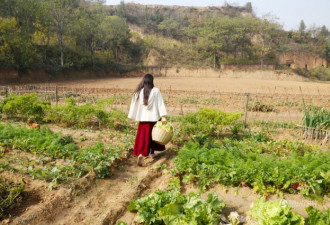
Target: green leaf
x,y
132,206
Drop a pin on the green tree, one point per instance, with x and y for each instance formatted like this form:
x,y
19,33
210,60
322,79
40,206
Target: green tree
x,y
302,27
113,33
121,10
25,12
84,30
213,37
60,14
248,7
267,32
15,50
168,27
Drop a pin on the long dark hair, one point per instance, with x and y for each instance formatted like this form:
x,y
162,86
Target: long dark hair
x,y
147,84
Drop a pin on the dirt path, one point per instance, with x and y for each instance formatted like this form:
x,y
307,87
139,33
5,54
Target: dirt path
x,y
160,183
98,201
89,200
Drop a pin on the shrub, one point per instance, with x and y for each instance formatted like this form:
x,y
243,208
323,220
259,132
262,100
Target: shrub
x,y
24,106
261,107
206,122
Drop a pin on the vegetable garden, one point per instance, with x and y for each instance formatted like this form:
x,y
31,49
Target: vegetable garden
x,y
80,160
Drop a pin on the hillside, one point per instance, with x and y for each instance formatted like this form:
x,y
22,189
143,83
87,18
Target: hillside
x,y
149,16
57,37
180,36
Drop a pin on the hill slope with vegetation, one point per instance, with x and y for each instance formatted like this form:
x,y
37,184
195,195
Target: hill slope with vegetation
x,y
80,34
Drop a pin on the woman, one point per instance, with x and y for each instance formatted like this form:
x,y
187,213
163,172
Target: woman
x,y
147,107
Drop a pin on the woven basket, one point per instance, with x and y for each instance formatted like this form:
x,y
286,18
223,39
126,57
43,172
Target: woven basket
x,y
161,136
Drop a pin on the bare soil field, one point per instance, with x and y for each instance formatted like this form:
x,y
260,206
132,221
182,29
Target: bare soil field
x,y
210,84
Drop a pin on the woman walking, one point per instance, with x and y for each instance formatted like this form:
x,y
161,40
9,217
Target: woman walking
x,y
147,107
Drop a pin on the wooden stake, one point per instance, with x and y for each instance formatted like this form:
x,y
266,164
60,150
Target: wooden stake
x,y
56,95
246,109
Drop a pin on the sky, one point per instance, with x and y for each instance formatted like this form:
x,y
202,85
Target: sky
x,y
288,12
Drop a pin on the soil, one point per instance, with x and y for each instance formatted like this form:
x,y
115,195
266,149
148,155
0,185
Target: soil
x,y
94,201
104,201
241,199
210,84
87,200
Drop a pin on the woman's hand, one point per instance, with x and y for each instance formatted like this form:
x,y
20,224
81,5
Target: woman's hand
x,y
164,120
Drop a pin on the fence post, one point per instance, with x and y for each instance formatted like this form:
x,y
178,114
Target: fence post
x,y
56,95
169,95
6,92
302,97
246,109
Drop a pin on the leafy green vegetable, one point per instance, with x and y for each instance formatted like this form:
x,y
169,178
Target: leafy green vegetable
x,y
275,213
165,126
316,217
121,223
271,167
318,118
174,208
70,114
205,122
44,142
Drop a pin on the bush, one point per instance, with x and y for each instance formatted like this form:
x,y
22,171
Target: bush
x,y
24,106
318,73
321,73
261,107
206,122
73,115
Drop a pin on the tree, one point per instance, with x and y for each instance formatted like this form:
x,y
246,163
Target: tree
x,y
60,12
15,50
324,31
268,31
113,32
212,37
84,30
302,27
248,7
168,27
25,12
120,10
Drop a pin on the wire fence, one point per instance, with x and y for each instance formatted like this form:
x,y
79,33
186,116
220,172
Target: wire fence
x,y
275,108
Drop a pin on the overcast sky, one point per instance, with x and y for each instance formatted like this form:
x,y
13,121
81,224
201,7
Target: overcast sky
x,y
289,12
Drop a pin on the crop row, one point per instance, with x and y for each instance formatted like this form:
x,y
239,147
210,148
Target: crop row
x,y
267,167
69,114
171,207
45,143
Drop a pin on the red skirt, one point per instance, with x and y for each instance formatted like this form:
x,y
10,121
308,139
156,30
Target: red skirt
x,y
143,142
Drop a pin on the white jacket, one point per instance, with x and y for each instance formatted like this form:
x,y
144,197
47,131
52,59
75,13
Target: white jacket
x,y
147,113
